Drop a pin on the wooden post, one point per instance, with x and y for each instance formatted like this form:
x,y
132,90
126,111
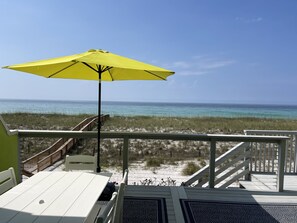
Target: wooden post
x,y
281,165
125,156
212,160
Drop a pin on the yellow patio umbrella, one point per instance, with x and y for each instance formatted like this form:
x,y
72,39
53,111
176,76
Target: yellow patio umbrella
x,y
99,65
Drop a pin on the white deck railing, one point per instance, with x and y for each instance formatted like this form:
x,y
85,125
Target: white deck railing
x,y
264,156
229,167
281,141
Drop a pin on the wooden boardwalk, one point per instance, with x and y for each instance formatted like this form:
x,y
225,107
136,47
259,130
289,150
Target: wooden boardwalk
x,y
59,149
172,196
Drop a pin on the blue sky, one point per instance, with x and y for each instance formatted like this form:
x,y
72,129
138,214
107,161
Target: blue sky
x,y
222,51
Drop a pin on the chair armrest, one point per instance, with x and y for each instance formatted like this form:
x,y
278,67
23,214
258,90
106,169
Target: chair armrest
x,y
107,212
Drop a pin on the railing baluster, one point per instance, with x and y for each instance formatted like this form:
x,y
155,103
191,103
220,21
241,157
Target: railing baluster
x,y
290,146
247,167
212,159
253,156
260,157
268,156
125,156
295,150
285,158
264,156
273,157
281,165
257,157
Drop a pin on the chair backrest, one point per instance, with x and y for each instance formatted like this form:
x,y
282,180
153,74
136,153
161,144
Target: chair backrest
x,y
80,162
107,214
118,210
7,180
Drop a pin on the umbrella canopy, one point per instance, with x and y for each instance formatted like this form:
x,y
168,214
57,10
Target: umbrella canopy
x,y
86,66
94,65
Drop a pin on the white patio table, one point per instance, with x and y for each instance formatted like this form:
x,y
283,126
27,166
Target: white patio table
x,y
49,197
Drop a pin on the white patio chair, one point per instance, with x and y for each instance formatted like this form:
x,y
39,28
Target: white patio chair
x,y
80,162
112,211
7,180
106,213
118,209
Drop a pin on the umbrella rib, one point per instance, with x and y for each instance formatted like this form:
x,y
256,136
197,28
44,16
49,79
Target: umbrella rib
x,y
75,62
106,69
90,66
110,74
162,78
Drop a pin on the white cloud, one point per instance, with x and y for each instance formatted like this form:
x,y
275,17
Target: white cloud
x,y
199,65
181,64
191,73
209,64
249,20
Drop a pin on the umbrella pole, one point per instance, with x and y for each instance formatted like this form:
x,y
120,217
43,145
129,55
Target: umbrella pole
x,y
99,121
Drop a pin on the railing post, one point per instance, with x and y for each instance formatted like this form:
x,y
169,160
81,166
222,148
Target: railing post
x,y
281,165
125,156
212,160
295,151
247,167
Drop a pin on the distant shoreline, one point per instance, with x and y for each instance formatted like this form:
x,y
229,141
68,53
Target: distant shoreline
x,y
214,125
156,102
151,109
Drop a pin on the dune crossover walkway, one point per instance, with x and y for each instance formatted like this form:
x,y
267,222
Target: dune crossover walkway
x,y
59,149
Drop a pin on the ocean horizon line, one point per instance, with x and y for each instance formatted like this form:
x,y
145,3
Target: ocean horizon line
x,y
161,109
154,102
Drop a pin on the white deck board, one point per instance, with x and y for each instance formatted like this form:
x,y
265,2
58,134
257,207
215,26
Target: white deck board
x,y
266,182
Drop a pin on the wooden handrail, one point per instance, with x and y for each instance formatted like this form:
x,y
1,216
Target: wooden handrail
x,y
57,144
218,161
265,154
59,149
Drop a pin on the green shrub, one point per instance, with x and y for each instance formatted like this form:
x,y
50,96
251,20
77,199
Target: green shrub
x,y
154,162
203,163
190,169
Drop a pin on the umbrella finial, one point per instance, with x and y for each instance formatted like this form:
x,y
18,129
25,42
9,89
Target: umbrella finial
x,y
100,51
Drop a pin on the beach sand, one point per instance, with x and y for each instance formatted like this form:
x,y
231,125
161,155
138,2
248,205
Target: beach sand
x,y
141,175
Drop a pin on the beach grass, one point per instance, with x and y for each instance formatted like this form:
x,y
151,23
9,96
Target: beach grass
x,y
42,121
198,124
153,152
151,124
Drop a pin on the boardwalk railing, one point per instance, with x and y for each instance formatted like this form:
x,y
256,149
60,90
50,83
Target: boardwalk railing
x,y
212,138
264,155
229,167
58,150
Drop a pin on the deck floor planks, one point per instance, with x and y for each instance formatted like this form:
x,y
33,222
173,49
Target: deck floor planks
x,y
173,194
242,195
266,182
260,193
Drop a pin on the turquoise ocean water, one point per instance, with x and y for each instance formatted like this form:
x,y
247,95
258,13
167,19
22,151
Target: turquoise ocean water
x,y
150,109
